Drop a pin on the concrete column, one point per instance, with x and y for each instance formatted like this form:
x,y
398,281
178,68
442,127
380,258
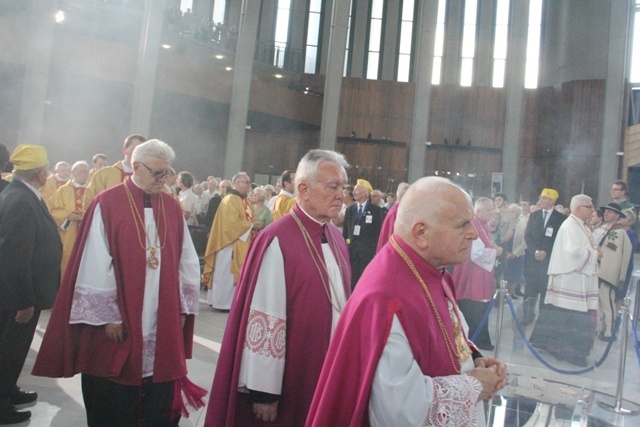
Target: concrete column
x,y
360,46
484,50
145,82
241,89
333,74
37,69
391,32
452,43
615,109
516,63
426,28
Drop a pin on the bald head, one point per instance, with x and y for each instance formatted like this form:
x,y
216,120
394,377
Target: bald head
x,y
434,218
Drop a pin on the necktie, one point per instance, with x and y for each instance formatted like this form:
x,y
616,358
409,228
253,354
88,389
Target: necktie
x,y
359,211
544,217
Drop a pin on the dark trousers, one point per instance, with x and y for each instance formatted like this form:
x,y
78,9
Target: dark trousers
x,y
15,341
111,404
359,257
535,284
473,313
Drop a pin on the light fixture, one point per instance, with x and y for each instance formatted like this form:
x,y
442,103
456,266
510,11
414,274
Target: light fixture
x,y
620,153
228,68
60,16
277,76
219,56
166,46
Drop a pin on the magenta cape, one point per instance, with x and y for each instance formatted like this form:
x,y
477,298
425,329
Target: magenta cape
x,y
472,281
387,227
70,349
308,326
387,288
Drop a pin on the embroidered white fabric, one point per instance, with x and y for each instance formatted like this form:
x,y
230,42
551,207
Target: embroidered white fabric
x,y
452,405
94,306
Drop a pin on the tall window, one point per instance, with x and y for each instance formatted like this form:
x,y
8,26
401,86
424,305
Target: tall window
x,y
469,41
438,54
346,49
533,44
219,9
635,46
313,37
406,38
282,32
500,42
375,39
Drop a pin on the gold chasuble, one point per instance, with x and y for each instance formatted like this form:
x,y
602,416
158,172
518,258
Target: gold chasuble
x,y
50,187
65,201
104,178
233,218
283,206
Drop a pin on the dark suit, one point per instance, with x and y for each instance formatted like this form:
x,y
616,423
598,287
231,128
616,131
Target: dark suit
x,y
30,254
362,247
214,203
539,237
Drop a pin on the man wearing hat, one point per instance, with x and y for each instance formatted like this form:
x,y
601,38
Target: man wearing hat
x,y
362,224
539,235
30,254
616,253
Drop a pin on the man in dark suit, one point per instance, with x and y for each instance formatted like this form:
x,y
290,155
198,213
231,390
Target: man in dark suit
x,y
30,254
540,234
362,223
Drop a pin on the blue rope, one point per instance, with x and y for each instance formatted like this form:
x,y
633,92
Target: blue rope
x,y
548,365
635,340
485,318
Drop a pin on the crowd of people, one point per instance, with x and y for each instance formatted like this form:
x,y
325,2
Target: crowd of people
x,y
390,286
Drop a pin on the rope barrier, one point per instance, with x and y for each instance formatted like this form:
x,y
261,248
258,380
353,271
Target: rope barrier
x,y
537,355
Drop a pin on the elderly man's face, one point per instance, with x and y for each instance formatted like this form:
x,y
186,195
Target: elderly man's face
x,y
152,174
376,197
453,233
546,203
80,174
321,197
360,193
64,171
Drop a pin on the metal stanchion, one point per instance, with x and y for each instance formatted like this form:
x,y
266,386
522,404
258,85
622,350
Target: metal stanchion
x,y
623,334
502,291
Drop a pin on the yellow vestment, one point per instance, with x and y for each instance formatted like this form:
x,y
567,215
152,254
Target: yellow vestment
x,y
66,200
233,218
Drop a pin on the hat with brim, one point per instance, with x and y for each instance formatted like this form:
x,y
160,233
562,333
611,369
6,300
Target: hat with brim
x,y
28,157
613,206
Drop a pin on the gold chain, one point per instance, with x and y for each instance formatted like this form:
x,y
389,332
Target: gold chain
x,y
587,232
313,251
462,354
152,260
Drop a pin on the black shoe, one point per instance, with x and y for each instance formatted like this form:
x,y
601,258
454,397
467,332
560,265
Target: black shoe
x,y
14,416
606,339
518,292
488,347
24,397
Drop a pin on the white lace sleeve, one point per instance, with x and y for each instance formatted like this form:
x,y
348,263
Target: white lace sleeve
x,y
262,366
95,298
189,276
402,395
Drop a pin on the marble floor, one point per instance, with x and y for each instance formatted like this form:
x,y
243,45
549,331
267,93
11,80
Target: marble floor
x,y
542,391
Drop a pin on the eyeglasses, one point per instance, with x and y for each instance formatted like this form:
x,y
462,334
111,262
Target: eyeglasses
x,y
159,175
587,206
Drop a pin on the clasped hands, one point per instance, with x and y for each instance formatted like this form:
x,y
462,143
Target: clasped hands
x,y
491,373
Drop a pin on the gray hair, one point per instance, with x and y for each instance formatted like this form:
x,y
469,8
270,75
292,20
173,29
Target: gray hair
x,y
235,177
578,200
481,201
260,191
308,166
153,148
630,215
78,163
402,188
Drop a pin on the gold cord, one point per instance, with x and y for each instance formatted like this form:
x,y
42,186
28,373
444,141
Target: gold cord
x,y
152,260
316,255
461,350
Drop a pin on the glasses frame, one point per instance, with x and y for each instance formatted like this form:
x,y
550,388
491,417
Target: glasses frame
x,y
159,175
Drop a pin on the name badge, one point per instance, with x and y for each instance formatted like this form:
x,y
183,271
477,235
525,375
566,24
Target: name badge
x,y
356,230
612,246
549,232
368,219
